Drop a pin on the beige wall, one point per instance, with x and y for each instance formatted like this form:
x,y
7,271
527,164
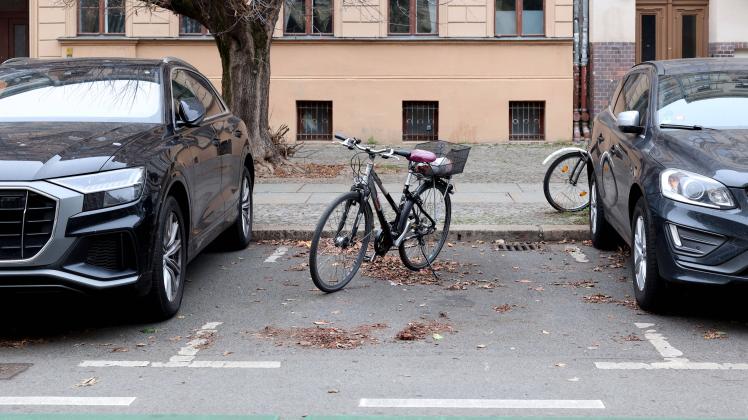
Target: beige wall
x,y
728,21
612,20
366,74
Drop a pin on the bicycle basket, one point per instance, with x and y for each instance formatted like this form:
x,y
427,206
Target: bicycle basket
x,y
450,158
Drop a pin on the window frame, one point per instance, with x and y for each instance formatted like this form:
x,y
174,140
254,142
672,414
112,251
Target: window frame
x,y
102,15
542,134
204,31
299,122
412,15
206,84
309,20
421,137
518,9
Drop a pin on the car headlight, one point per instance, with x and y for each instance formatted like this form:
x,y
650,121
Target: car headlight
x,y
691,188
106,189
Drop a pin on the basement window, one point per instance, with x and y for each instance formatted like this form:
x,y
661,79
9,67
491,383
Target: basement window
x,y
420,120
314,120
526,120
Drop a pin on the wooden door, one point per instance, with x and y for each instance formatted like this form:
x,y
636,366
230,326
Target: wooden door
x,y
689,32
670,29
651,33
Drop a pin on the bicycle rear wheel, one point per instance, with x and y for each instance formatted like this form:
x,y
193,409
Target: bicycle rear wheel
x,y
565,185
429,226
340,242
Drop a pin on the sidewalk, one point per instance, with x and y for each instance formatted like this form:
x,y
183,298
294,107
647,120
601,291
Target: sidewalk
x,y
501,186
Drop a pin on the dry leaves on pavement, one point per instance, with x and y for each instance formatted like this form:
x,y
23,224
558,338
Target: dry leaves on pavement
x,y
502,309
323,337
390,268
421,330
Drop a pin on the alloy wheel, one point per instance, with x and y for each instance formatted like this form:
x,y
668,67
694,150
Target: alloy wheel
x,y
246,207
172,259
593,208
640,253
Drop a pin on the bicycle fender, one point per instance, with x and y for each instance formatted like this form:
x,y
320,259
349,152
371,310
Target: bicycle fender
x,y
560,152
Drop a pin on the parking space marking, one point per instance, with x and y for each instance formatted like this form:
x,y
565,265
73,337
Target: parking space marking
x,y
281,251
185,357
672,357
74,401
479,403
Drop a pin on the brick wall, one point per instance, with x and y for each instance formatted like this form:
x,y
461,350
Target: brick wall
x,y
725,49
609,61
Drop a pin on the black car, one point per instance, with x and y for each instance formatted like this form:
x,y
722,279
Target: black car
x,y
670,172
114,173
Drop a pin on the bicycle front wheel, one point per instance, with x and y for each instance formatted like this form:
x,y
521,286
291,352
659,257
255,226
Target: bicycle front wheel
x,y
429,218
340,242
565,185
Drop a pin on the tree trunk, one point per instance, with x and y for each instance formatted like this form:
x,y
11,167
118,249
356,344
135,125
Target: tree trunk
x,y
245,57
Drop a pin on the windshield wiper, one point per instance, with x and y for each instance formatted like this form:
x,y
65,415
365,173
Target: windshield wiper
x,y
685,127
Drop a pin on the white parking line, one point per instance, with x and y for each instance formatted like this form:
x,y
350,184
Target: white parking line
x,y
76,401
479,403
185,357
671,355
277,254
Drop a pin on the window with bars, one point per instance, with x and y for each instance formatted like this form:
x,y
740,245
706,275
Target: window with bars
x,y
527,120
101,17
420,120
314,120
307,17
189,26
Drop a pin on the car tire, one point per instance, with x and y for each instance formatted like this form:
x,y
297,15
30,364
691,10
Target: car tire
x,y
601,232
169,262
239,234
649,287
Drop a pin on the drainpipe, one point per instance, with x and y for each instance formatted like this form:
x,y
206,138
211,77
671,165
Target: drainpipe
x,y
577,133
584,62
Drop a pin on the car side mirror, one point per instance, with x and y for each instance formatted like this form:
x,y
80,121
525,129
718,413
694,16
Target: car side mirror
x,y
191,112
628,122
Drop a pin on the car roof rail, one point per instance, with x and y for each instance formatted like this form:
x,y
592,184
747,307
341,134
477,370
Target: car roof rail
x,y
17,60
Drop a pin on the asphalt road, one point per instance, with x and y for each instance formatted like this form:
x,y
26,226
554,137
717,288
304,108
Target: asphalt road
x,y
519,335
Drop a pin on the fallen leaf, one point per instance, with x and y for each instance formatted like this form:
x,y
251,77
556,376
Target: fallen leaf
x,y
574,379
226,353
333,391
120,350
148,330
322,323
561,365
140,345
546,332
481,346
437,336
524,281
87,382
714,335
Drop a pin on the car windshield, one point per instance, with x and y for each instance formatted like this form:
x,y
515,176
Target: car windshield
x,y
716,99
81,94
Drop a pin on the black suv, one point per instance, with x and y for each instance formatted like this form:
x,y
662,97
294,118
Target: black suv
x,y
114,173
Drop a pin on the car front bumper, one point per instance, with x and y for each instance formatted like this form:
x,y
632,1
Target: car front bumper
x,y
87,251
713,243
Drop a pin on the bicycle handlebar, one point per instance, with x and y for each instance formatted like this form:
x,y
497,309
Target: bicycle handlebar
x,y
352,142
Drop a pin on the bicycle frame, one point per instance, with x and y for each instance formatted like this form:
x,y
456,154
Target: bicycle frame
x,y
393,233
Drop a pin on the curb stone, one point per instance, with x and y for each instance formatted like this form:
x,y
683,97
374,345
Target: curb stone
x,y
514,233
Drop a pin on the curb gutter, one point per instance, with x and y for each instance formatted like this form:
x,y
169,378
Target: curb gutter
x,y
514,233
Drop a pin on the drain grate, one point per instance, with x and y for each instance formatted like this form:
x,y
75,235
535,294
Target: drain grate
x,y
520,246
9,370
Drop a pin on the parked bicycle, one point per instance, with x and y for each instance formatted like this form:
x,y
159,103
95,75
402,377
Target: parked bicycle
x,y
421,224
565,185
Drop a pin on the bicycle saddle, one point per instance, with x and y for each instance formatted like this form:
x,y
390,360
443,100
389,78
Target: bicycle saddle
x,y
417,155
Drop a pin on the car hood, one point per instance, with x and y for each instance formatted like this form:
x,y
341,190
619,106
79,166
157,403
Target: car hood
x,y
718,154
33,151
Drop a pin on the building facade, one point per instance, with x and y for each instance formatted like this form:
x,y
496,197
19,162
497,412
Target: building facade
x,y
383,70
626,32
